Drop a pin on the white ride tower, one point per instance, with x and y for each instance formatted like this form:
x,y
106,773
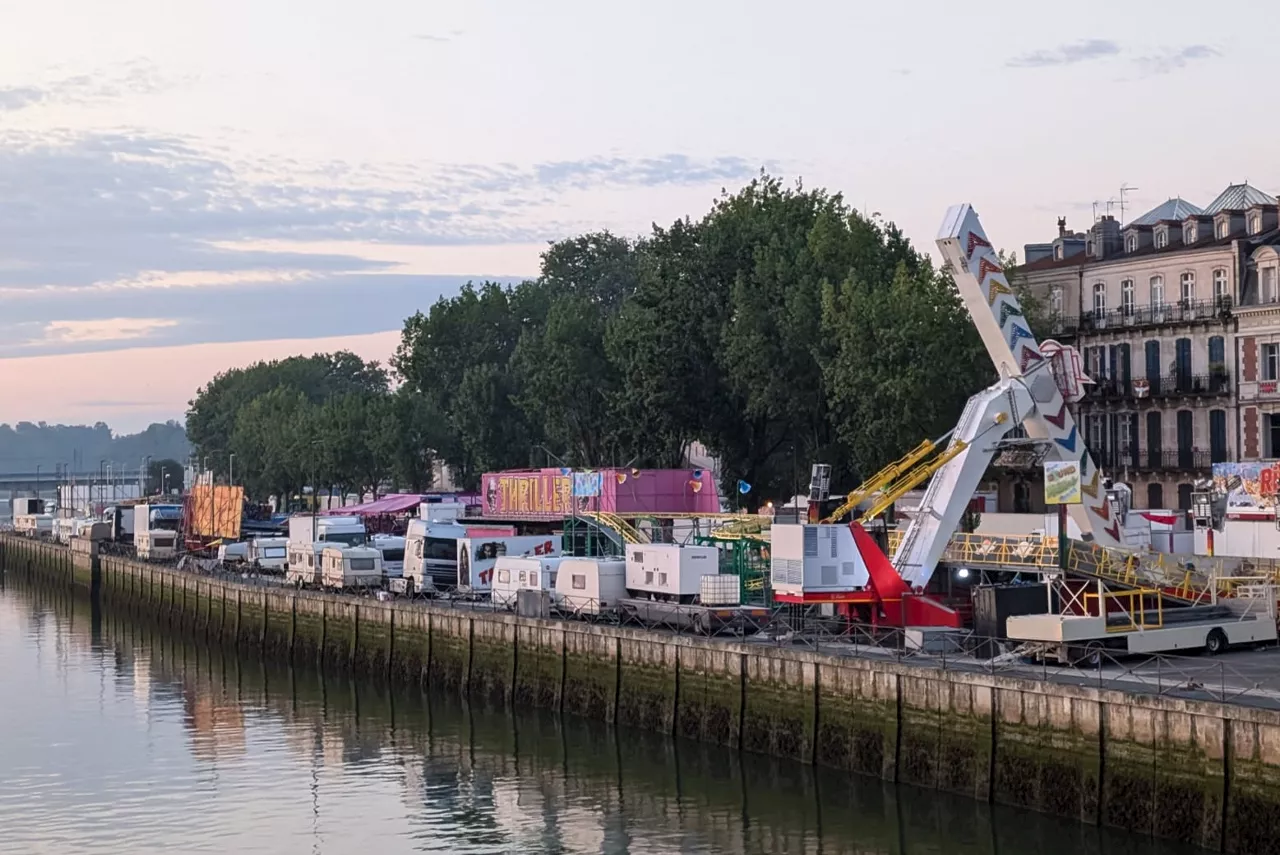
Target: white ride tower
x,y
1027,394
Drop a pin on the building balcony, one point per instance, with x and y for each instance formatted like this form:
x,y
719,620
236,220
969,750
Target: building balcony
x,y
1155,459
1212,385
1145,317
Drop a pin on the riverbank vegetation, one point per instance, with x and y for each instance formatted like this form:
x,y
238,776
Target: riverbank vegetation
x,y
781,328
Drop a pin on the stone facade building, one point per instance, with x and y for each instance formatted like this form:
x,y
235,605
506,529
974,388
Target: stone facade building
x,y
1177,317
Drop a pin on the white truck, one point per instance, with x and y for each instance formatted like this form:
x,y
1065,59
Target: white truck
x,y
431,554
309,535
350,567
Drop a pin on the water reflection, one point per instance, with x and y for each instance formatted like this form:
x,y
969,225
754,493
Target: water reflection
x,y
120,737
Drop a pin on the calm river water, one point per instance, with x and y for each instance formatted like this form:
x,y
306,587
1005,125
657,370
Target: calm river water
x,y
115,738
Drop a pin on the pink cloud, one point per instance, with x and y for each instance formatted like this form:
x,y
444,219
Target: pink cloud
x,y
130,389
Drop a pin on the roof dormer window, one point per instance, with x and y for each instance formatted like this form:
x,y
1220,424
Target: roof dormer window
x,y
1162,238
1057,252
1255,223
1222,228
1189,233
1130,243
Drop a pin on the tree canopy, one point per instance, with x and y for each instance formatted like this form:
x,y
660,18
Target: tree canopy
x,y
780,329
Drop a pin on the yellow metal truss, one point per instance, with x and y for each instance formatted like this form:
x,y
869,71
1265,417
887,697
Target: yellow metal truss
x,y
892,482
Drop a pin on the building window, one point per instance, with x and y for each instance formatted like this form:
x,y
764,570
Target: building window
x,y
1157,292
1057,252
1219,284
1255,223
1222,228
1271,361
1270,435
1126,296
1184,497
1189,233
1131,243
1099,299
1188,288
1155,496
1055,302
1269,292
1162,238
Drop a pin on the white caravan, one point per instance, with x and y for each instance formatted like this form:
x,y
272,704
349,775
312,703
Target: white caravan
x,y
478,554
512,575
590,586
352,567
156,545
309,535
268,553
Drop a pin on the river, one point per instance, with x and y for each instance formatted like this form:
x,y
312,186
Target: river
x,y
119,737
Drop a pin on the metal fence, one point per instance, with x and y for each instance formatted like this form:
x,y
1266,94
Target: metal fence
x,y
1243,677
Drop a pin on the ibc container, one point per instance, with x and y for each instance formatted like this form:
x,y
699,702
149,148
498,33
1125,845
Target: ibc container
x,y
723,589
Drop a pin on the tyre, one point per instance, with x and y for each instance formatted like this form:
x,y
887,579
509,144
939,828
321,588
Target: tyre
x,y
1216,642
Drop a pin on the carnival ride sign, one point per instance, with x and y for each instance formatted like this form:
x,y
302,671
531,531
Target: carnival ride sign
x,y
1062,483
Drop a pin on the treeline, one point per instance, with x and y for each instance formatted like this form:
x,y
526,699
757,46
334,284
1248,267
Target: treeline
x,y
780,329
26,445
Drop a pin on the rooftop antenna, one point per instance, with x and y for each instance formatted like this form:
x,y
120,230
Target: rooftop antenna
x,y
1095,210
1124,188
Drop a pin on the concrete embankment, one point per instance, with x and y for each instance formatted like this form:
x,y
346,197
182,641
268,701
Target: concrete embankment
x,y
1200,772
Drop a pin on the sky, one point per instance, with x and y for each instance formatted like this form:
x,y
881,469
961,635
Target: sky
x,y
189,187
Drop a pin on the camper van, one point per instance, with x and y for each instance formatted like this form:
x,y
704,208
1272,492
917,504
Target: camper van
x,y
268,554
352,567
392,549
590,586
512,575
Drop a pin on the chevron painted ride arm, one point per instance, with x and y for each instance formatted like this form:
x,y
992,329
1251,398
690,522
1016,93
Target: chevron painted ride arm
x,y
1013,348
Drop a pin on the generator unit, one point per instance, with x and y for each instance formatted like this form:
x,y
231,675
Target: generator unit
x,y
667,571
815,559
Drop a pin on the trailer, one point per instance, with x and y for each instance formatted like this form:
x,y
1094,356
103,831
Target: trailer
x,y
513,575
303,563
268,554
156,544
590,586
351,567
1092,621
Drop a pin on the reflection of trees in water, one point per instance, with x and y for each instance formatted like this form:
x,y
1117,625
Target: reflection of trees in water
x,y
534,780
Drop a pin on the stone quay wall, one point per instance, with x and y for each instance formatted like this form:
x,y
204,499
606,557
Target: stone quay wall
x,y
1198,772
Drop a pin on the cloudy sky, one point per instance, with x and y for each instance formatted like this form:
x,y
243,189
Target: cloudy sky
x,y
190,186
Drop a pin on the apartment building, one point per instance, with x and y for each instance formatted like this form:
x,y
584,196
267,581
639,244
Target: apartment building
x,y
1155,306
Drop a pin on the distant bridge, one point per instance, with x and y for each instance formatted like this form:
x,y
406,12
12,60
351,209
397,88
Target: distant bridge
x,y
27,483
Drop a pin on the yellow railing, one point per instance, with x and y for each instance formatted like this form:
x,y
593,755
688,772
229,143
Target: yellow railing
x,y
1133,607
1207,577
628,532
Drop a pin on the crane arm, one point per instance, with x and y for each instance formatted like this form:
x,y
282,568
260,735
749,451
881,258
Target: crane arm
x,y
910,480
892,474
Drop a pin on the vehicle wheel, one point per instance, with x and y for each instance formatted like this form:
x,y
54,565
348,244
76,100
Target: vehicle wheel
x,y
1216,642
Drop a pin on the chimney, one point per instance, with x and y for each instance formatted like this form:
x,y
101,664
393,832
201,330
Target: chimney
x,y
1062,226
1106,237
